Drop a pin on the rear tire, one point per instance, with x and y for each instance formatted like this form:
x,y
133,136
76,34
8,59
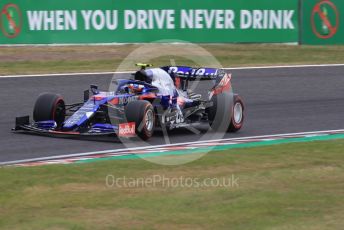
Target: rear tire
x,y
237,120
142,113
49,106
219,114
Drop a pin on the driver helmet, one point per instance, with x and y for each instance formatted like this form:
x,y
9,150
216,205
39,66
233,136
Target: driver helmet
x,y
135,88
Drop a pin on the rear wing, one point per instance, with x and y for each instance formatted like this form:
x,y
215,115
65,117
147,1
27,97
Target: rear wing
x,y
190,73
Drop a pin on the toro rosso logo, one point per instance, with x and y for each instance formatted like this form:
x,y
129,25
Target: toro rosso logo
x,y
123,100
126,129
126,100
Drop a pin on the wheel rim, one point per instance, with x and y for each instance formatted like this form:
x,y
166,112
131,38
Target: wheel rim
x,y
149,120
238,113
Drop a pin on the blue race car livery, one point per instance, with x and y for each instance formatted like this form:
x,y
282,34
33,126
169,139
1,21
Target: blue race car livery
x,y
151,98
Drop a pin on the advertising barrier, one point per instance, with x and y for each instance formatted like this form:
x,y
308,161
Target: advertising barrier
x,y
131,21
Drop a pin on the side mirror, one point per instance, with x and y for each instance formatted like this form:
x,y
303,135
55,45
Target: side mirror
x,y
94,89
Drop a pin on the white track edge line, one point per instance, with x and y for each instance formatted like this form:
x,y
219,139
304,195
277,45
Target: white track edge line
x,y
229,68
160,146
61,74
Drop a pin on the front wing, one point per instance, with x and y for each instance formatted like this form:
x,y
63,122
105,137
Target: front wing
x,y
23,124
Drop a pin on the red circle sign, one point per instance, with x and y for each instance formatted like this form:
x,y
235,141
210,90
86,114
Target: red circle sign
x,y
11,20
329,27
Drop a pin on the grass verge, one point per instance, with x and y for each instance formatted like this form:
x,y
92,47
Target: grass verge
x,y
30,60
290,186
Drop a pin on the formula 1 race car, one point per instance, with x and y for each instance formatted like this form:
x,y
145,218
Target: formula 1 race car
x,y
152,98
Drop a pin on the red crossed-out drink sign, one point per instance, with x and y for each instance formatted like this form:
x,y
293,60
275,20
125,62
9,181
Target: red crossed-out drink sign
x,y
10,20
331,27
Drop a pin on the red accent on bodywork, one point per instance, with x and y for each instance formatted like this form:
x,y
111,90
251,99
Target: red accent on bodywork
x,y
114,101
177,82
224,85
147,96
98,98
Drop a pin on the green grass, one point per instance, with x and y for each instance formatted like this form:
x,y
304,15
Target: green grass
x,y
290,186
29,60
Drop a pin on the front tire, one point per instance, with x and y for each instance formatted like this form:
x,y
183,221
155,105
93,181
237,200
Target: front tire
x,y
49,106
142,113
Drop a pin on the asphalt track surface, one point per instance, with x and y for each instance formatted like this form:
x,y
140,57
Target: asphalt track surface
x,y
281,100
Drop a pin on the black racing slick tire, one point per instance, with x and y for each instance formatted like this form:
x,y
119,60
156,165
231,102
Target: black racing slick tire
x,y
237,119
142,113
219,114
49,106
